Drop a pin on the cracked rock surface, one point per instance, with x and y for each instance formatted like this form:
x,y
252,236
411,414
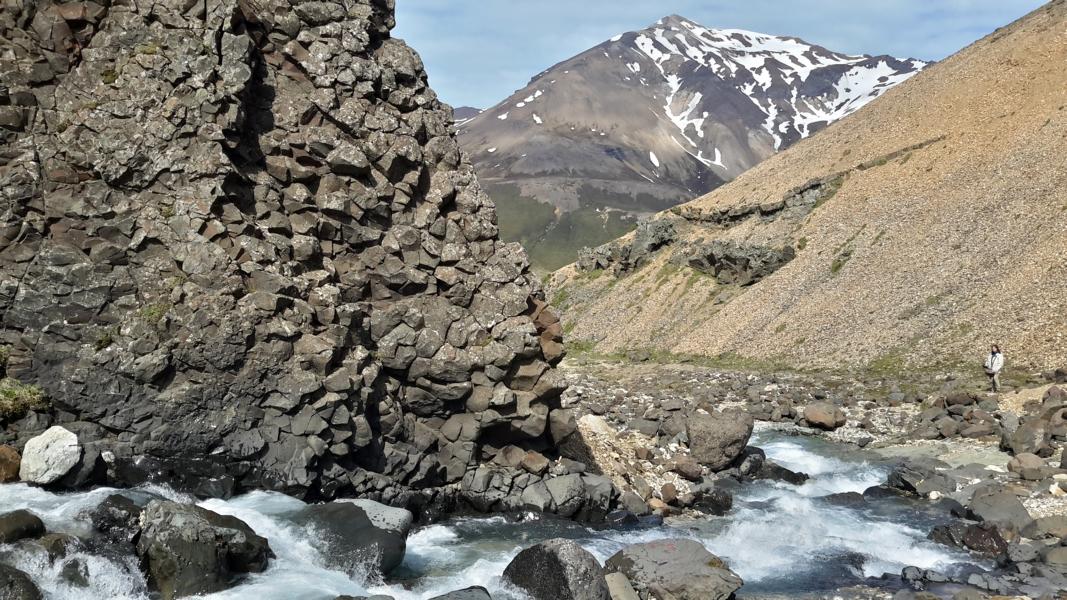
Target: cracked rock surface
x,y
240,248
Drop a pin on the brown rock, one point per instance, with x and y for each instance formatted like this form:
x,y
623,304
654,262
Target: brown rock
x,y
9,464
668,493
535,462
824,415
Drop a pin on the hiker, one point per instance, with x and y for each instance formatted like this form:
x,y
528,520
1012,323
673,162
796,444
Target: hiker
x,y
993,364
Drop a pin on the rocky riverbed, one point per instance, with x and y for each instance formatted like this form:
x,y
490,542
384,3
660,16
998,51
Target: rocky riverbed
x,y
793,488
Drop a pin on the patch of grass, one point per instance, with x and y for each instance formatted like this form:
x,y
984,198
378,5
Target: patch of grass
x,y
149,48
568,327
17,398
579,347
109,76
154,313
840,261
560,297
105,339
802,243
780,328
167,212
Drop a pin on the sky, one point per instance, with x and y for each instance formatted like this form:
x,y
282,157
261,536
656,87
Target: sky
x,y
477,52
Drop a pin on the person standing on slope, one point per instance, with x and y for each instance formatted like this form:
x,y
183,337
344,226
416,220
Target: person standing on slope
x,y
993,364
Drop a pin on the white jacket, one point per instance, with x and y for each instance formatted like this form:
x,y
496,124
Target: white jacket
x,y
994,362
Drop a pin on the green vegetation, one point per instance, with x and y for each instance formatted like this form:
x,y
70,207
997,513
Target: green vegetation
x,y
780,328
154,313
109,76
829,190
550,241
560,297
149,48
802,243
840,261
5,353
17,398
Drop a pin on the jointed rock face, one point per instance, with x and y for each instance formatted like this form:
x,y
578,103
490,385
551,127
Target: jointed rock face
x,y
241,238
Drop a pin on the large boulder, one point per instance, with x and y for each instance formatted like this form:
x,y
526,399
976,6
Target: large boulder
x,y
357,532
681,567
717,439
994,505
117,518
20,525
49,456
16,585
824,415
557,569
1031,437
9,464
189,550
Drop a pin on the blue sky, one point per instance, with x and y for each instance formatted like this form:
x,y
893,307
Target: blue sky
x,y
478,52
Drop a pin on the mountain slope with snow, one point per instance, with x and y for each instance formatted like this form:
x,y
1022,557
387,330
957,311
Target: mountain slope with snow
x,y
653,118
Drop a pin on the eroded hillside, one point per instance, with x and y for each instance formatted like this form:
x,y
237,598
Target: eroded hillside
x,y
910,234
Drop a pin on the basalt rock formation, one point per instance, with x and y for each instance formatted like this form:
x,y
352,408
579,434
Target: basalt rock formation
x,y
240,240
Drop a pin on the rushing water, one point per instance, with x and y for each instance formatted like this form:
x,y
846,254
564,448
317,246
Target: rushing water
x,y
780,538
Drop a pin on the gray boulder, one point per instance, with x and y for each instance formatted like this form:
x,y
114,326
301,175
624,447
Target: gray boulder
x,y
557,569
16,585
717,439
189,550
824,415
999,507
682,567
356,532
471,593
19,525
49,456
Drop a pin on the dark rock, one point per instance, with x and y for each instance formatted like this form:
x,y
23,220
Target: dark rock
x,y
304,278
1031,437
355,532
716,440
557,569
117,518
736,263
920,478
190,550
852,499
688,468
983,538
776,472
20,525
634,504
16,585
471,593
681,567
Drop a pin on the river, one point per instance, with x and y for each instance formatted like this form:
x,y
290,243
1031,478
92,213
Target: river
x,y
782,539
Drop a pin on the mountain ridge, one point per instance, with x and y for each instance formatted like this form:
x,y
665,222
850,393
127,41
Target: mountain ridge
x,y
651,118
911,234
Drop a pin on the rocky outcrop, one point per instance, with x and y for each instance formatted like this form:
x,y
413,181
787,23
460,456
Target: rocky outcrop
x,y
557,569
241,237
735,263
189,550
681,567
50,456
627,255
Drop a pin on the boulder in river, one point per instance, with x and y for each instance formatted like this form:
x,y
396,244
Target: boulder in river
x,y
49,456
681,567
19,525
717,439
823,415
471,593
117,518
557,569
189,550
9,464
16,585
357,531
